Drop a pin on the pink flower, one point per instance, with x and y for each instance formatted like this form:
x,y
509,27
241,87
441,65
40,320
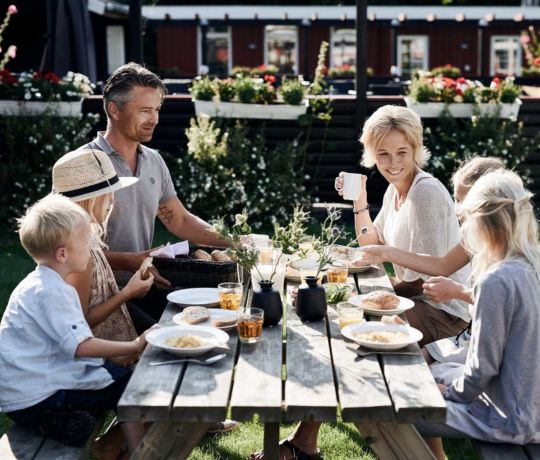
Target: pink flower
x,y
524,39
12,51
12,9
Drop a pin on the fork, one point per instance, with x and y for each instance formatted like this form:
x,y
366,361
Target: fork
x,y
204,362
363,353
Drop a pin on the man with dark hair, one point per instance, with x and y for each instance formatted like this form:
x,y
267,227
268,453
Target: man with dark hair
x,y
132,100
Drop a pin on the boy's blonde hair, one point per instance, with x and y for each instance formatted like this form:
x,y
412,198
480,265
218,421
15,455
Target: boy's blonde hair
x,y
48,225
499,220
386,119
474,168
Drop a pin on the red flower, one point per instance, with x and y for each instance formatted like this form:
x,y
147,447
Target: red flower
x,y
461,80
448,66
52,77
269,79
496,81
537,61
449,82
346,67
7,77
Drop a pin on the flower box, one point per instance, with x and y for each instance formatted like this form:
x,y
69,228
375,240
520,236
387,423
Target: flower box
x,y
464,110
34,108
239,110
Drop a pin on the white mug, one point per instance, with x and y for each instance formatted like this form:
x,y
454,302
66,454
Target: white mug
x,y
351,186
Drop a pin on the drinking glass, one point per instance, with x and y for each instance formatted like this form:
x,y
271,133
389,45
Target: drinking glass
x,y
250,323
230,295
349,313
337,273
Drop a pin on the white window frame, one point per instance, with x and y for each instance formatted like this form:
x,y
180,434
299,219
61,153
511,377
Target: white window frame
x,y
227,35
519,57
116,50
296,53
332,33
401,38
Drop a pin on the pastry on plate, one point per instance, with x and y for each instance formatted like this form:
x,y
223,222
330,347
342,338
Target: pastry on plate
x,y
381,300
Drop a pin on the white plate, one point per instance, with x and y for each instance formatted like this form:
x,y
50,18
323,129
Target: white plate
x,y
195,296
215,314
404,304
212,338
413,335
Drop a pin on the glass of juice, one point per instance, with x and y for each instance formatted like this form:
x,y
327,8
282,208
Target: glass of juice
x,y
250,324
349,314
230,295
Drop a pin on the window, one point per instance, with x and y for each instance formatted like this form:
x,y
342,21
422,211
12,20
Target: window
x,y
343,47
281,48
505,55
116,55
218,50
412,53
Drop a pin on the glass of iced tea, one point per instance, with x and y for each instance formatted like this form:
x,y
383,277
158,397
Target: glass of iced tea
x,y
349,313
310,272
337,273
250,323
230,295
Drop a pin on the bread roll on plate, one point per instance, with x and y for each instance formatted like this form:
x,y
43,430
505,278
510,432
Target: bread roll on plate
x,y
194,315
381,300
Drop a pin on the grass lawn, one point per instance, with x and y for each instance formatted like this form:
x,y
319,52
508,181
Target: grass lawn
x,y
338,441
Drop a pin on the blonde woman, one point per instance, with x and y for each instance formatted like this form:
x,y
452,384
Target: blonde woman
x,y
496,398
417,215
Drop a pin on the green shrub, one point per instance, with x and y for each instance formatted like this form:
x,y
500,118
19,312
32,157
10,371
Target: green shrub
x,y
293,92
454,140
266,94
225,89
29,146
246,90
447,70
249,175
202,89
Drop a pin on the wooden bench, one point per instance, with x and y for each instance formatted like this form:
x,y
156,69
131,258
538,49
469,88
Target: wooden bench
x,y
495,451
22,444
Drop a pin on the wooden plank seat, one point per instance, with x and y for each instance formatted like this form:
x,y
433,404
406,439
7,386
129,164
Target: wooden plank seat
x,y
500,451
22,444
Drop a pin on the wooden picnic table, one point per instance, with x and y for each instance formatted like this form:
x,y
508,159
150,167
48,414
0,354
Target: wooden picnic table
x,y
302,371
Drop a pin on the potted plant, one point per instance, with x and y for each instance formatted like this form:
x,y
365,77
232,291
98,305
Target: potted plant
x,y
531,47
430,95
248,97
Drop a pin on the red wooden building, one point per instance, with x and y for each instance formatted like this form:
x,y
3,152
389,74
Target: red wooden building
x,y
481,41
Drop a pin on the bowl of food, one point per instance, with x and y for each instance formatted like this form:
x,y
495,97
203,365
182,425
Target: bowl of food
x,y
380,336
187,340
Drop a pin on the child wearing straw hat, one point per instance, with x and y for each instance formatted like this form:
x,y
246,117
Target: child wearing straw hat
x,y
88,178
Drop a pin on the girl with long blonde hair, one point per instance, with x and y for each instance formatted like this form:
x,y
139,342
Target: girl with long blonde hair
x,y
496,398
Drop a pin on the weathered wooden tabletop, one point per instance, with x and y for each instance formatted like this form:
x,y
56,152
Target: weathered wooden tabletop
x,y
302,371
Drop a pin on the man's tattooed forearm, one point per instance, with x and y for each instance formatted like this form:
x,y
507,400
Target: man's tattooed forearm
x,y
165,214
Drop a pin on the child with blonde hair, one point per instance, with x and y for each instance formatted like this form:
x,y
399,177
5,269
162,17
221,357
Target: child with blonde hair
x,y
88,178
54,378
496,398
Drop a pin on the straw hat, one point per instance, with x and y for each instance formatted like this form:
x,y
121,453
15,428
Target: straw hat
x,y
87,173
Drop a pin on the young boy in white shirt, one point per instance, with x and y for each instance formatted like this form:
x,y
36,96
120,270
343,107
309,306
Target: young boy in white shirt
x,y
54,378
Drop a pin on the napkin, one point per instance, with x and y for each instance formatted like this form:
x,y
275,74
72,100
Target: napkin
x,y
170,251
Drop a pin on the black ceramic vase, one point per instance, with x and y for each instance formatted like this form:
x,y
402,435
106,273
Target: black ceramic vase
x,y
311,301
269,300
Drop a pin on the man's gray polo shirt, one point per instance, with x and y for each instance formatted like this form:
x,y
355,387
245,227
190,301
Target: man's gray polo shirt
x,y
131,224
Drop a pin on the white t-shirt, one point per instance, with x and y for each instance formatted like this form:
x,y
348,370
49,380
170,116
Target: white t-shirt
x,y
425,223
39,334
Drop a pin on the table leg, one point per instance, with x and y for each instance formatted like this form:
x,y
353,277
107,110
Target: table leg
x,y
172,440
271,441
395,441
